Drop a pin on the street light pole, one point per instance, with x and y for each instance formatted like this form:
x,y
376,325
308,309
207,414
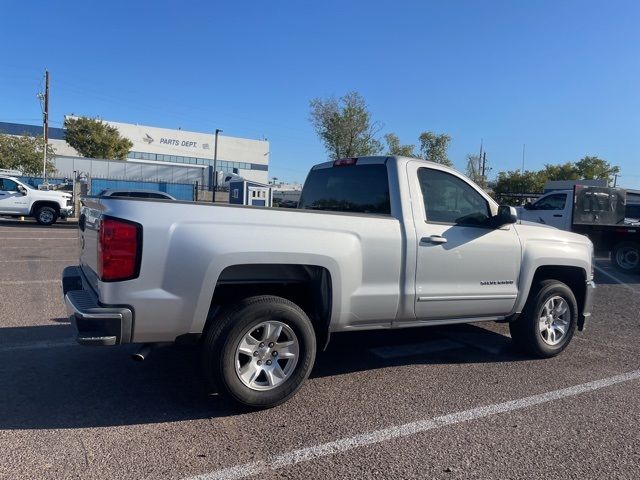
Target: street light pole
x,y
45,124
215,164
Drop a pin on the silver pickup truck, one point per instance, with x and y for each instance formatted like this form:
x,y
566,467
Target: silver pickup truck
x,y
376,242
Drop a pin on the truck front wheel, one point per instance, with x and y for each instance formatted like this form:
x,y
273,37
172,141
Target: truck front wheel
x,y
626,257
46,216
260,352
548,321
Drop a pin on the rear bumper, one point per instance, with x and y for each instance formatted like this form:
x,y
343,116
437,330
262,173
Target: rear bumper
x,y
96,324
589,293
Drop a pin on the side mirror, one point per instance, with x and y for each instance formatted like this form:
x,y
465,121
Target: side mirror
x,y
527,206
506,215
22,190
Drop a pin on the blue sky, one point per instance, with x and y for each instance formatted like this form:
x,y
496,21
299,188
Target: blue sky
x,y
562,77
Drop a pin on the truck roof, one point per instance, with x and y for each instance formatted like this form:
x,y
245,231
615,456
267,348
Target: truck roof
x,y
379,159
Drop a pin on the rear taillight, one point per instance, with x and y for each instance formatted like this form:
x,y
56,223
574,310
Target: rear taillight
x,y
119,249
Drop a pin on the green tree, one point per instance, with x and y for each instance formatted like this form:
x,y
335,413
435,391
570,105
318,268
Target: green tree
x,y
25,154
345,127
95,139
565,171
516,181
594,168
433,147
393,144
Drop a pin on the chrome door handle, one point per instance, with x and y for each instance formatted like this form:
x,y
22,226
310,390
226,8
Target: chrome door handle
x,y
433,239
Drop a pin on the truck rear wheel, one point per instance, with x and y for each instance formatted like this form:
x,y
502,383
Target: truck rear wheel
x,y
46,216
625,256
260,352
548,321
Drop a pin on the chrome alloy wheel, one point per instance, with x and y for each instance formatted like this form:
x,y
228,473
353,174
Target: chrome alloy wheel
x,y
554,320
628,258
266,355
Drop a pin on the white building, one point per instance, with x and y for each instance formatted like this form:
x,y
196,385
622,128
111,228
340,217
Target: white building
x,y
179,148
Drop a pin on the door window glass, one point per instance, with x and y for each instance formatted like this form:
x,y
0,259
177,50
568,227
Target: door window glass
x,y
8,185
449,199
552,202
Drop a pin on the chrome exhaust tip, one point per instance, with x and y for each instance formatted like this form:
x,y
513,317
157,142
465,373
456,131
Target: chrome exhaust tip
x,y
142,353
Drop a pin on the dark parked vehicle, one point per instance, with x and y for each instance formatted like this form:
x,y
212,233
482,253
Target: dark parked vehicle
x,y
138,193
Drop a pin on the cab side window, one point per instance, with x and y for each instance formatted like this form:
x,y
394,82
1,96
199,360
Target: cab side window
x,y
449,199
7,185
552,202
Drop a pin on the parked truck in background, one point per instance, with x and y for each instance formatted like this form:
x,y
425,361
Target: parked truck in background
x,y
601,213
376,243
19,199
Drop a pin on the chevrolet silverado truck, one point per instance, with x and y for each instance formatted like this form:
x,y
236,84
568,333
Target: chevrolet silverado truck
x,y
375,243
18,199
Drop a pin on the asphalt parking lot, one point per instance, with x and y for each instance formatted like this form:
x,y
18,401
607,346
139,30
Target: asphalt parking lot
x,y
450,403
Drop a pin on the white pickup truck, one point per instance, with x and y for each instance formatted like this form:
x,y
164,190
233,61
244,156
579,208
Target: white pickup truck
x,y
18,199
376,243
601,213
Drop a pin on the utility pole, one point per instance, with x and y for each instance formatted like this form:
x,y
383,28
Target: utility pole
x,y
215,162
615,180
484,164
522,171
45,124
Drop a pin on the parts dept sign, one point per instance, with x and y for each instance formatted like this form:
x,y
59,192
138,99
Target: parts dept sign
x,y
174,142
178,143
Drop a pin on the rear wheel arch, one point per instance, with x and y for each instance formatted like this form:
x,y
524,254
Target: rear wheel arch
x,y
310,287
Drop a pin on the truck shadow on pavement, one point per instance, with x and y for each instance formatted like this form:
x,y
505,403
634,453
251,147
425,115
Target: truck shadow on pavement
x,y
606,274
64,385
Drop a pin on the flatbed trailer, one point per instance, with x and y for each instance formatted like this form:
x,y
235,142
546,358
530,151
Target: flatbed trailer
x,y
599,213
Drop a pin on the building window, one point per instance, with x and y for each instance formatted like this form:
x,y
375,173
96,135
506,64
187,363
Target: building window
x,y
221,165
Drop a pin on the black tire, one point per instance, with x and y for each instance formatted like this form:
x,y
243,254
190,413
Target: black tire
x,y
46,216
625,256
230,325
525,331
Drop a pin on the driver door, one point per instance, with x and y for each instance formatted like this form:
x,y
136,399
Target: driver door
x,y
550,210
465,267
11,200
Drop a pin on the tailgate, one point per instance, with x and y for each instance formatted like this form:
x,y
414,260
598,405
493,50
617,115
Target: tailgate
x,y
89,224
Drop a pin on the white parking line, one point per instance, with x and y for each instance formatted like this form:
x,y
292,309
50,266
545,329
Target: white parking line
x,y
39,238
615,279
61,260
294,457
48,247
27,282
